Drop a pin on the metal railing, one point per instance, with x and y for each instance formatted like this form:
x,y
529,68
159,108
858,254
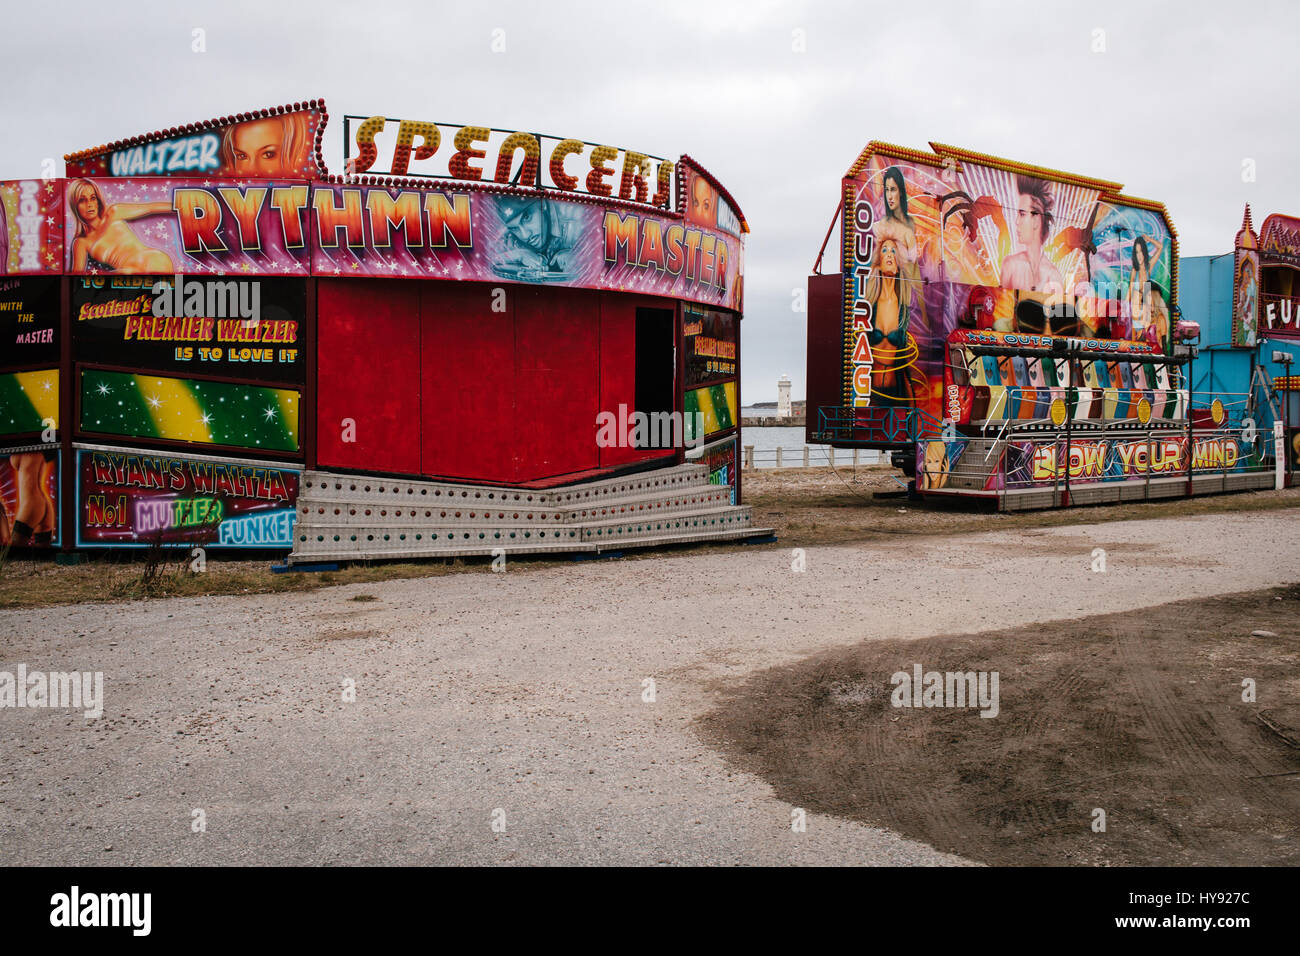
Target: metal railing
x,y
809,456
1219,437
875,425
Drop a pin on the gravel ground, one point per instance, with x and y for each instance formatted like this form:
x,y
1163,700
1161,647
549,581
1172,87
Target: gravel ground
x,y
520,696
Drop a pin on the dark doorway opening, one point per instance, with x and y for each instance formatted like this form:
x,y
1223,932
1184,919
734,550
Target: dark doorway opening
x,y
656,365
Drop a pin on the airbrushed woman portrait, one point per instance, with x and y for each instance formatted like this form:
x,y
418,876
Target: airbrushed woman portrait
x,y
895,379
1247,290
703,210
104,237
897,224
277,147
1146,305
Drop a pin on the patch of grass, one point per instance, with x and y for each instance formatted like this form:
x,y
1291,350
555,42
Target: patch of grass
x,y
41,583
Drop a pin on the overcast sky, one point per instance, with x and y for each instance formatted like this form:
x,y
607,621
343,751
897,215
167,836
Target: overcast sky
x,y
1182,94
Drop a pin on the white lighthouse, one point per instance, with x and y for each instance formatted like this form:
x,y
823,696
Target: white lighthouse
x,y
783,397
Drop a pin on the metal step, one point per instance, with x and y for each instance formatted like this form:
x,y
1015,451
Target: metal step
x,y
339,508
349,517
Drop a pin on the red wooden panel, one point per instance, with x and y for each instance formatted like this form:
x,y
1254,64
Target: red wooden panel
x,y
468,373
825,346
617,368
368,370
557,334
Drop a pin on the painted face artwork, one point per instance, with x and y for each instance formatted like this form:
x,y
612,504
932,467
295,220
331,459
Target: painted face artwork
x,y
257,148
888,259
703,201
891,195
529,227
1029,221
88,205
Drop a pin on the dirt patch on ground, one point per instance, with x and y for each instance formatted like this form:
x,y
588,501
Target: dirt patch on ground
x,y
1140,715
350,635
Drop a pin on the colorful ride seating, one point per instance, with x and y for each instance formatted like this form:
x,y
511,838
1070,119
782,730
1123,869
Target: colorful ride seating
x,y
1023,388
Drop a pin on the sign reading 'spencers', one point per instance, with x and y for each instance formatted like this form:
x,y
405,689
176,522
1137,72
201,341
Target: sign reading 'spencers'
x,y
480,154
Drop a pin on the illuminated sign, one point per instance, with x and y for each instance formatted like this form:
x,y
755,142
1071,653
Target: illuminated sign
x,y
859,246
190,154
1281,315
1118,459
1279,239
269,144
1035,341
482,154
191,227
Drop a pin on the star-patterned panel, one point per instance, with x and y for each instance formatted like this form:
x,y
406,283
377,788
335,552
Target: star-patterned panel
x,y
184,410
717,403
27,400
33,244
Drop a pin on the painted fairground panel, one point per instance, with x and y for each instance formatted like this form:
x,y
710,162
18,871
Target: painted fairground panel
x,y
1279,240
150,226
710,340
403,233
280,145
29,380
29,498
188,411
711,408
704,204
892,264
1026,464
930,248
29,404
1245,300
1245,287
235,328
1279,293
720,459
31,226
127,498
29,322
